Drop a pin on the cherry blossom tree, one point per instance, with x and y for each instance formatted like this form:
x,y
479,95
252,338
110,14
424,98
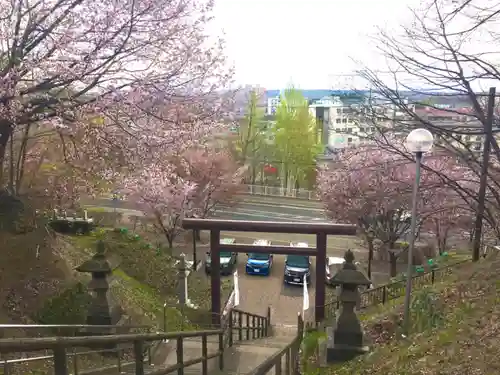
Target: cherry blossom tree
x,y
115,81
373,188
217,176
163,195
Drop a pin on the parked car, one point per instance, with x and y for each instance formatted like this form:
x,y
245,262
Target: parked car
x,y
334,264
228,259
297,266
259,263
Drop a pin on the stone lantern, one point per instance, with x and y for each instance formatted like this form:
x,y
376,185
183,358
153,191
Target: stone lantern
x,y
100,268
345,340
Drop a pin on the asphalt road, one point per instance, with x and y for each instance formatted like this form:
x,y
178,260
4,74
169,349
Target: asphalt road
x,y
267,210
256,209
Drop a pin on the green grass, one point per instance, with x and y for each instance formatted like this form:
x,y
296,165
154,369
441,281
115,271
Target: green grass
x,y
147,279
456,330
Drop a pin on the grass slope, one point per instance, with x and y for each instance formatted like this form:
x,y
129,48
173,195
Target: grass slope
x,y
455,330
147,279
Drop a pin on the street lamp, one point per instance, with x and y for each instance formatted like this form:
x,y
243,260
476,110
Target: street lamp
x,y
418,142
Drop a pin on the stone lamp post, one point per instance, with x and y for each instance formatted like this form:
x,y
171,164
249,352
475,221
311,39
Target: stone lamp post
x,y
100,268
345,340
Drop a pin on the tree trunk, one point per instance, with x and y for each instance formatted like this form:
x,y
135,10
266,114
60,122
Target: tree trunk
x,y
5,133
393,270
369,242
170,241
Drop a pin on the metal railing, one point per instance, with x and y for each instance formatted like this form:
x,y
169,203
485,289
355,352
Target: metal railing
x,y
387,292
290,354
276,191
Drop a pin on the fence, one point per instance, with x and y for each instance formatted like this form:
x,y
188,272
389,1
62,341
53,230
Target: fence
x,y
276,191
387,292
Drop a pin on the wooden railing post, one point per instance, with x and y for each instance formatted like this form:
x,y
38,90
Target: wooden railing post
x,y
180,355
204,354
253,327
287,361
221,350
60,360
240,326
248,326
230,328
139,357
268,322
278,366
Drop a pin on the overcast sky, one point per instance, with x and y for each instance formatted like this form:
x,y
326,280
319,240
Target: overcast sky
x,y
310,43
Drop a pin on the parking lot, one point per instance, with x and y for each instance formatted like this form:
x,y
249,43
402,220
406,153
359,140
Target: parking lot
x,y
258,292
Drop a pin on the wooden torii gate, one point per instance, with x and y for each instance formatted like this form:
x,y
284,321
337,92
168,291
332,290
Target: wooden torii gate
x,y
321,230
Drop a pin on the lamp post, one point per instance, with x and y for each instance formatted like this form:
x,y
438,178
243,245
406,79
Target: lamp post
x,y
418,142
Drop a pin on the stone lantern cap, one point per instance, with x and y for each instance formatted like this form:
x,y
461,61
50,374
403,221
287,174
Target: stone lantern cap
x,y
99,262
349,274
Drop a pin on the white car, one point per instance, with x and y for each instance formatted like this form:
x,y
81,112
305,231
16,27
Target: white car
x,y
334,264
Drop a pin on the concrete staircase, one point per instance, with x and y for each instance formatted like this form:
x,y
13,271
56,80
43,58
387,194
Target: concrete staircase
x,y
240,359
244,356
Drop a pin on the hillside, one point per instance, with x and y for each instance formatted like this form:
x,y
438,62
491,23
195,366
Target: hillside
x,y
455,329
39,284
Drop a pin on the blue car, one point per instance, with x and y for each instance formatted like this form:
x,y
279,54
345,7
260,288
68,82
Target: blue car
x,y
259,263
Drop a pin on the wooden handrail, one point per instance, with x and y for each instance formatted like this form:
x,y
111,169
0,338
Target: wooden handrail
x,y
291,352
41,343
258,326
249,314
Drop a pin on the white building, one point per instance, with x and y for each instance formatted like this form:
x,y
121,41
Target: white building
x,y
342,121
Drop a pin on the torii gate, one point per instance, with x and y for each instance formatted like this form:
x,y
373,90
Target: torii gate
x,y
321,230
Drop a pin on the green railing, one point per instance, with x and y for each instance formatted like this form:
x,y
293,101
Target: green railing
x,y
387,292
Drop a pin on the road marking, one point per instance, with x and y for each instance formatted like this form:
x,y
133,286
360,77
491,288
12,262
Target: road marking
x,y
264,217
301,208
266,214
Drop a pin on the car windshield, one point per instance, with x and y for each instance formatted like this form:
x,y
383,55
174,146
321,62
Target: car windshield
x,y
223,254
297,261
258,256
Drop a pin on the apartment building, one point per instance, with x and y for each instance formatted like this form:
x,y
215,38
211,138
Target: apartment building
x,y
345,120
455,119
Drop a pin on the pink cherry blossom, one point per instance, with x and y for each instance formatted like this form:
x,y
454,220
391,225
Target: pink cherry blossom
x,y
121,84
372,187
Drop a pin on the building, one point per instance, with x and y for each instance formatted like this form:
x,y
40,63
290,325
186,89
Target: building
x,y
454,119
273,97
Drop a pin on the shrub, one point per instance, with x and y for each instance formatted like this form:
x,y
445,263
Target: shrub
x,y
68,307
69,226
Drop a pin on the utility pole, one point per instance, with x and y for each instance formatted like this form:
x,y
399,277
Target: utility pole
x,y
483,178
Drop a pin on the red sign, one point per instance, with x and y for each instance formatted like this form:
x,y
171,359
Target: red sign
x,y
270,169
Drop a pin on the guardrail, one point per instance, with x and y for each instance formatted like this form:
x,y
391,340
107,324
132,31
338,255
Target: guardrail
x,y
276,191
387,292
290,353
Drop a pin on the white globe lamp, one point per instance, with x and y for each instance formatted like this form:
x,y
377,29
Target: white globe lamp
x,y
419,140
